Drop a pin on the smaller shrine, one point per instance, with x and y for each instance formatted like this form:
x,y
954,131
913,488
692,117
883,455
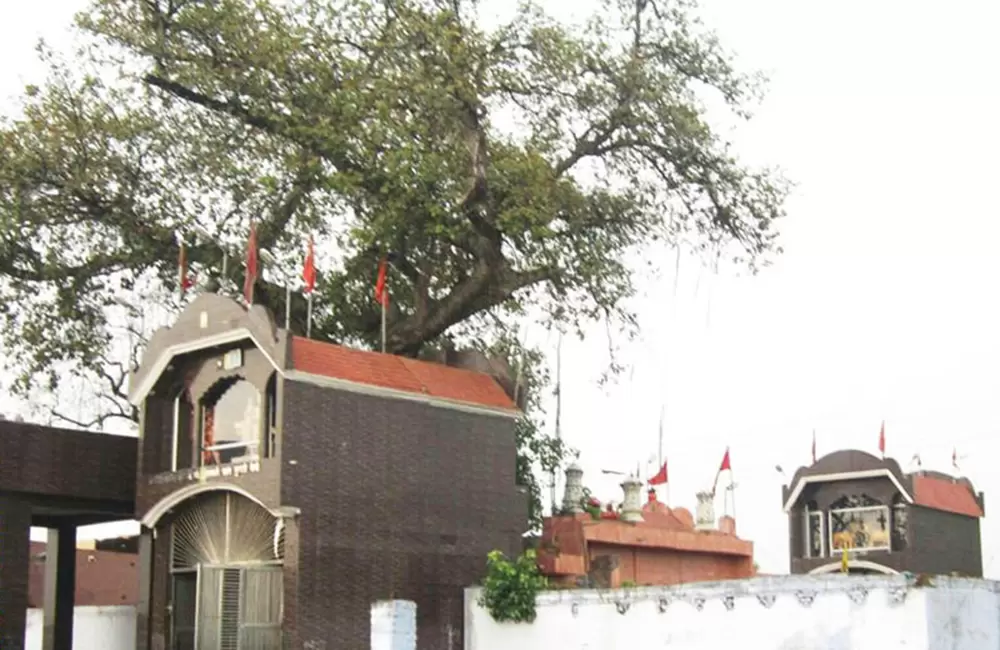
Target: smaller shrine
x,y
640,543
885,520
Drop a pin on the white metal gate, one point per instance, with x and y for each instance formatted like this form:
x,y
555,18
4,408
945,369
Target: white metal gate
x,y
237,608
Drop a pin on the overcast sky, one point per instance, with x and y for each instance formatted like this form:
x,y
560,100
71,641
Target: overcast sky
x,y
885,115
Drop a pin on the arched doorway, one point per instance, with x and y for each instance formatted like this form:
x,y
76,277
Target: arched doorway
x,y
226,555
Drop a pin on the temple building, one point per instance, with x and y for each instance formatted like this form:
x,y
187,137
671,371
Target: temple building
x,y
640,544
888,521
285,484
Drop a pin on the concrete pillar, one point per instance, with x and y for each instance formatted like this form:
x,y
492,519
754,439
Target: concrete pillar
x,y
574,489
727,525
394,625
290,631
632,503
60,588
142,609
705,511
15,550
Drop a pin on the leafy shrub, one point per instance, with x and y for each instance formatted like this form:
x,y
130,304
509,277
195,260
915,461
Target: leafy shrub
x,y
510,588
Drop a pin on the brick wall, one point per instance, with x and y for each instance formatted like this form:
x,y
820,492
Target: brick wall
x,y
15,522
670,567
398,499
943,542
69,464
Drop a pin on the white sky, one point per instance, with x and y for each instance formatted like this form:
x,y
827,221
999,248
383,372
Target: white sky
x,y
884,114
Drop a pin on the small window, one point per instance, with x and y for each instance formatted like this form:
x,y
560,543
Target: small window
x,y
183,441
898,523
271,438
814,534
233,359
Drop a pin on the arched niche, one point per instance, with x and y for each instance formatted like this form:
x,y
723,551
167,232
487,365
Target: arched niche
x,y
232,422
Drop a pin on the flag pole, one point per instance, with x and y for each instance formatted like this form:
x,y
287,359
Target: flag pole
x,y
288,304
659,456
666,486
225,263
732,491
383,301
552,477
309,315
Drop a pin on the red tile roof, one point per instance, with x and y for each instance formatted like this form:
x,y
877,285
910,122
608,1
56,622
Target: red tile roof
x,y
397,373
941,494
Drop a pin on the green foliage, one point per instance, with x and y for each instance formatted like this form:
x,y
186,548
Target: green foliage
x,y
510,588
537,453
506,169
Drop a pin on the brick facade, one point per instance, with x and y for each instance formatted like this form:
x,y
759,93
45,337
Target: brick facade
x,y
15,522
390,495
644,567
398,500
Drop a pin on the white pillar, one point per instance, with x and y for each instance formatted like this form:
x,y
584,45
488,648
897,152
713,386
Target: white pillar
x,y
394,625
574,489
705,513
632,503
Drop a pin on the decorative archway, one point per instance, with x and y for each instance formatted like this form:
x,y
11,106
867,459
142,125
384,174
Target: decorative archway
x,y
174,499
226,575
859,565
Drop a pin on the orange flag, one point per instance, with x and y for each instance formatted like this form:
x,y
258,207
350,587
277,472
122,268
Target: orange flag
x,y
251,277
309,269
381,291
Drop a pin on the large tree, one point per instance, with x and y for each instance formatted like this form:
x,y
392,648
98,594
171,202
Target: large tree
x,y
500,167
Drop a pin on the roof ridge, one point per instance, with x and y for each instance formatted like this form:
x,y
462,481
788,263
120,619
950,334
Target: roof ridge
x,y
415,376
406,361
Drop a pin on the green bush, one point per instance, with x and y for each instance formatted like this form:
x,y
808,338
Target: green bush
x,y
510,588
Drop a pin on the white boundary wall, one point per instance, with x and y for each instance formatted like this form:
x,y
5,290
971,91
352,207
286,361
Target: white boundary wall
x,y
782,613
94,628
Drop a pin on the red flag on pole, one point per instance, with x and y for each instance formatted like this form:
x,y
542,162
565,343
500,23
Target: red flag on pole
x,y
381,292
382,296
814,447
725,465
661,476
251,276
184,282
881,439
309,269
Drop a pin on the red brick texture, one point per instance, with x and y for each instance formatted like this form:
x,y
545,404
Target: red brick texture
x,y
665,549
645,567
103,578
